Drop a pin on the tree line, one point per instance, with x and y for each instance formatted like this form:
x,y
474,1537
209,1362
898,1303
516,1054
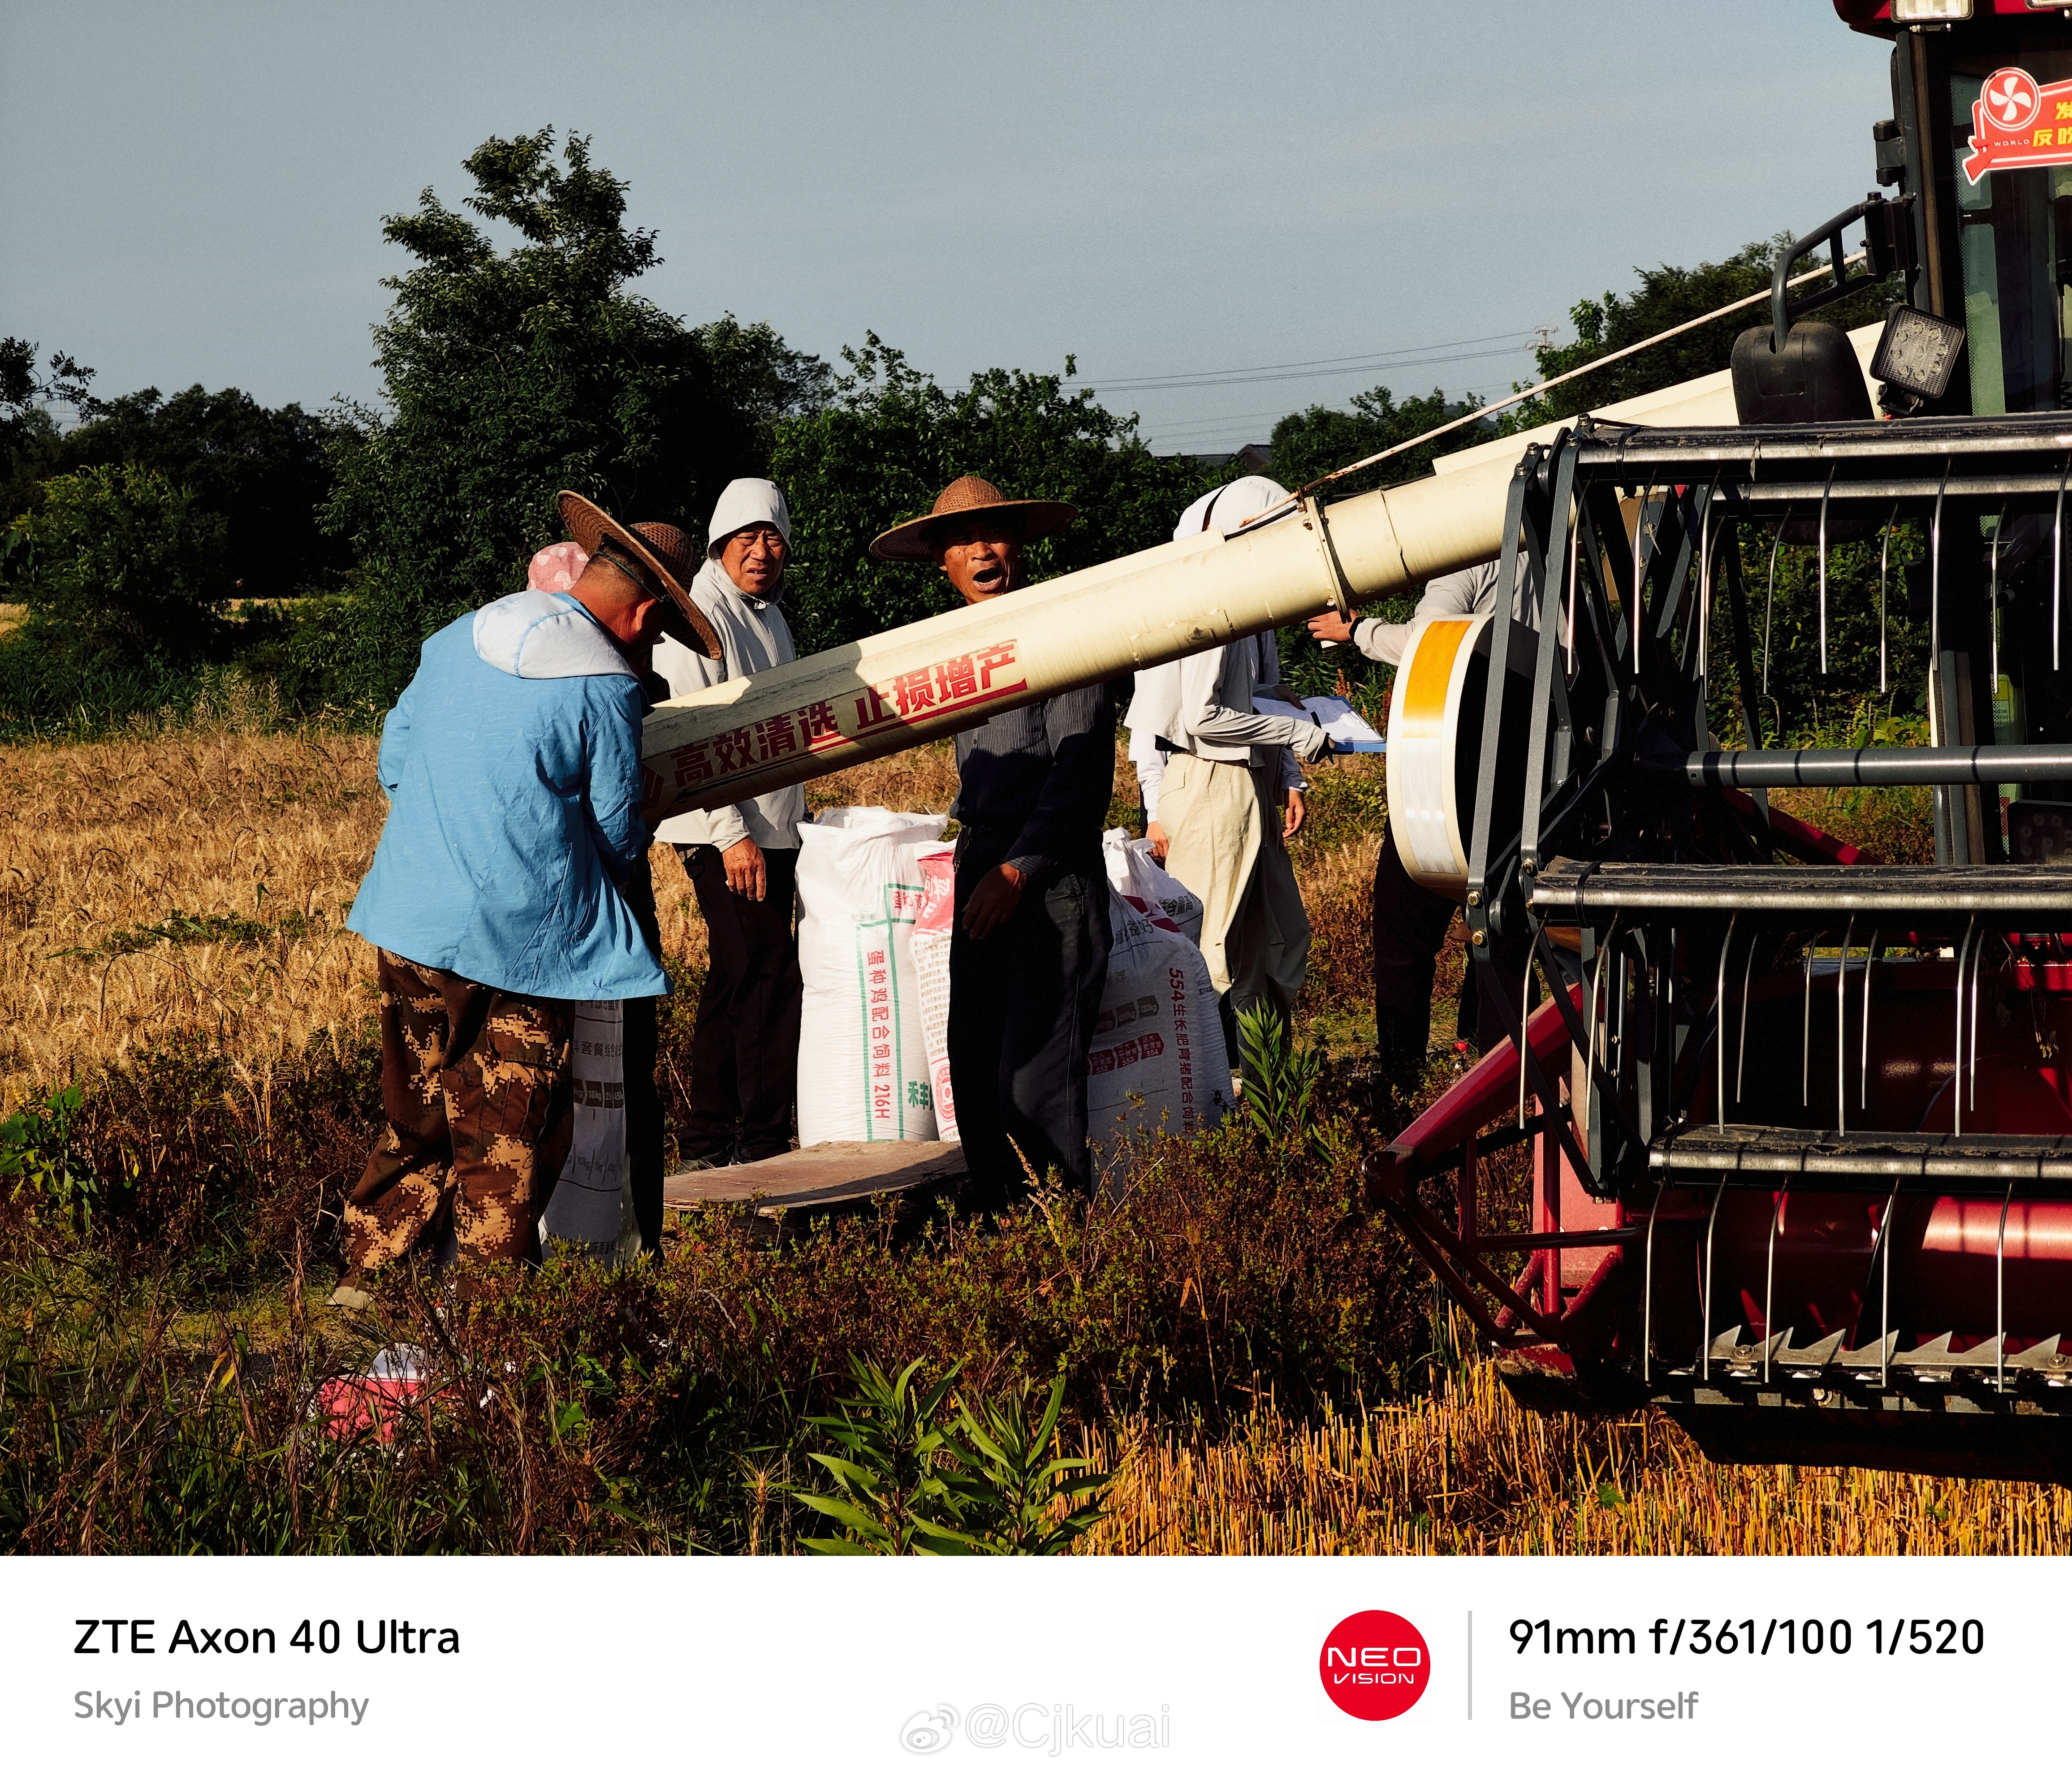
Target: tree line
x,y
162,541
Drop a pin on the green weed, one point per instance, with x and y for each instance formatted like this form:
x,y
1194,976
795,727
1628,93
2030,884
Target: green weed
x,y
39,1160
988,1483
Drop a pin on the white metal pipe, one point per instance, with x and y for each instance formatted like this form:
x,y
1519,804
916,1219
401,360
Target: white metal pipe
x,y
891,691
888,691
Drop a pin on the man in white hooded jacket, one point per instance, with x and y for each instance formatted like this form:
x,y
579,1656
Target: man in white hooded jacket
x,y
1219,798
743,860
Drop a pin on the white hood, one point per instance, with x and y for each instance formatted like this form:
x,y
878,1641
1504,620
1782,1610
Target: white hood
x,y
546,634
1225,507
743,502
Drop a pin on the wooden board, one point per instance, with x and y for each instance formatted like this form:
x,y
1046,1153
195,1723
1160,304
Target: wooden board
x,y
822,1176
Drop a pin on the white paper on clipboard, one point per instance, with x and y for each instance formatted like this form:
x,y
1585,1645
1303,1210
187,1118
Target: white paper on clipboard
x,y
1349,731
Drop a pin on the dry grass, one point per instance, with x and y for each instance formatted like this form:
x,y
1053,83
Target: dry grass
x,y
101,839
1469,1472
108,838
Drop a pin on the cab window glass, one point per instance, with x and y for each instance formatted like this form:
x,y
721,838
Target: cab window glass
x,y
2016,240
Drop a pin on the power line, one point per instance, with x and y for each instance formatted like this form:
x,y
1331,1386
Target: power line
x,y
1521,395
1408,357
1357,357
1361,371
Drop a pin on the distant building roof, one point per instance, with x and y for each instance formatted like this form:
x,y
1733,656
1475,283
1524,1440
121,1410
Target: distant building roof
x,y
1254,459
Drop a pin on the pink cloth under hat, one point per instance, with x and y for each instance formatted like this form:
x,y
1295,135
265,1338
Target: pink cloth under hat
x,y
556,568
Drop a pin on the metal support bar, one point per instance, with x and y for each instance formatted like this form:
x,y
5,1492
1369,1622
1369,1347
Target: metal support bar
x,y
1558,1241
1567,894
1822,768
1334,574
2038,1166
1443,1249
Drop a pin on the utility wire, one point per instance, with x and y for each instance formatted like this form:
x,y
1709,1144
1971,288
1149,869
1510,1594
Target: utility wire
x,y
1319,366
1527,394
1302,376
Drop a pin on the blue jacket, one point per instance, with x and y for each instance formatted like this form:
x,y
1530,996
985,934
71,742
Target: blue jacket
x,y
513,768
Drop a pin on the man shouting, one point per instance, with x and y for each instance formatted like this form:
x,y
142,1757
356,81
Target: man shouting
x,y
1029,952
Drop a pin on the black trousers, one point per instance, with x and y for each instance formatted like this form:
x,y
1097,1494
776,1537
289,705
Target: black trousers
x,y
744,1044
1023,1005
1410,925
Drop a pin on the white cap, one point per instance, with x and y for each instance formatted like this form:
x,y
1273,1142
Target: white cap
x,y
1229,505
744,503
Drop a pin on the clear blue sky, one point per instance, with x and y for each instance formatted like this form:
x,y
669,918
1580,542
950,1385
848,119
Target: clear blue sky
x,y
192,192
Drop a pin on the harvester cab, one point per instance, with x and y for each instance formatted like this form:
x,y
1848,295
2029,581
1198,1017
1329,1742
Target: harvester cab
x,y
1801,1120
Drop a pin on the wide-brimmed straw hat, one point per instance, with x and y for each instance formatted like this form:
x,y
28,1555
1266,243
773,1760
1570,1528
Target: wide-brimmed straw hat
x,y
920,539
662,549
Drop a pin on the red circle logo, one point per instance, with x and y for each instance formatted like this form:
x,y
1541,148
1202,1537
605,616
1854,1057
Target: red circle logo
x,y
2011,98
1374,1664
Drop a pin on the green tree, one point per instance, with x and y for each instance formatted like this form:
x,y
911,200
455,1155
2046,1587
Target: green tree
x,y
26,393
1668,296
265,471
122,566
1314,442
893,437
508,374
29,435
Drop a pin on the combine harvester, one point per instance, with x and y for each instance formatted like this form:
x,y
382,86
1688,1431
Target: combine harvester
x,y
1801,1123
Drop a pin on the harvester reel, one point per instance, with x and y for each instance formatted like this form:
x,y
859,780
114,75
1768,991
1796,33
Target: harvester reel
x,y
1810,1147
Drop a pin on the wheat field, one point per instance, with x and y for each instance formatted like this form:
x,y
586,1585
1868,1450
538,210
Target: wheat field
x,y
106,839
271,832
101,842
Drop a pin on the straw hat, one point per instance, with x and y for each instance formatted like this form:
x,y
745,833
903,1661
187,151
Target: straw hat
x,y
920,539
663,550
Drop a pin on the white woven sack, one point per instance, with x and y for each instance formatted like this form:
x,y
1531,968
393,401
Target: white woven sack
x,y
863,1060
1133,872
1157,1059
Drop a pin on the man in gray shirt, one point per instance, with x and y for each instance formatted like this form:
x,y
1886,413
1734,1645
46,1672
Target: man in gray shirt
x,y
1029,949
1410,922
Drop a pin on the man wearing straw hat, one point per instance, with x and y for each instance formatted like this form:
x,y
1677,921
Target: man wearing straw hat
x,y
1030,948
512,762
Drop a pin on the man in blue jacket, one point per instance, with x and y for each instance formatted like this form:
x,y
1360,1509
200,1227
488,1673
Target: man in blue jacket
x,y
513,767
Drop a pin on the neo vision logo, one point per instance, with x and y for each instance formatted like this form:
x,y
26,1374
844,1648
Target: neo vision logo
x,y
1374,1664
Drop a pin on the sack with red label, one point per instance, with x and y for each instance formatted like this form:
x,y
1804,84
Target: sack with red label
x,y
863,1065
1135,873
1158,1060
931,967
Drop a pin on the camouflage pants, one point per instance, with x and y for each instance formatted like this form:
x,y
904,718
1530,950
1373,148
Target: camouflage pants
x,y
475,1084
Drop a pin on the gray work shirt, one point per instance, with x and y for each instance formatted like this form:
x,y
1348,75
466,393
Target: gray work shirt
x,y
1034,784
1471,592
